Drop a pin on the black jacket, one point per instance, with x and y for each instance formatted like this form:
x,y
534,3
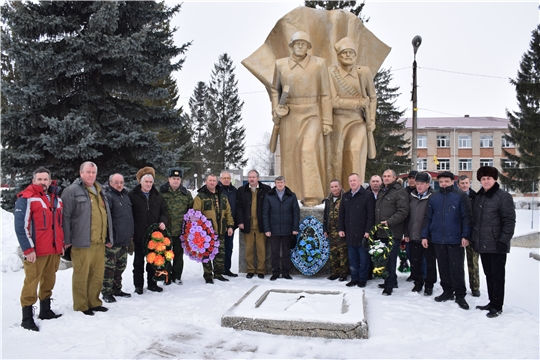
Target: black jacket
x,y
281,217
230,191
243,206
356,215
121,215
147,211
494,220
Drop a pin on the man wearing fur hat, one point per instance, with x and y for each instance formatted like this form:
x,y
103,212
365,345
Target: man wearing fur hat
x,y
303,120
354,102
149,207
494,222
179,201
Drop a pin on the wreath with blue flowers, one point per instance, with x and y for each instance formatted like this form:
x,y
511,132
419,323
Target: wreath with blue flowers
x,y
312,248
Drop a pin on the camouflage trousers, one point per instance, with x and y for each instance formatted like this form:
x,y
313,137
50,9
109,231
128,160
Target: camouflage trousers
x,y
472,267
218,264
178,262
115,264
339,257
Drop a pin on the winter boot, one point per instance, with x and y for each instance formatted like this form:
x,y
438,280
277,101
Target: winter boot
x,y
28,319
45,312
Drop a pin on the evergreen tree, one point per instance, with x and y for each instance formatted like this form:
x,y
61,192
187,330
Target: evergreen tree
x,y
392,148
224,145
86,86
335,5
525,124
198,108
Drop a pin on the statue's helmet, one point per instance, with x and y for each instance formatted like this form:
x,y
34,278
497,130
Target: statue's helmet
x,y
300,35
344,44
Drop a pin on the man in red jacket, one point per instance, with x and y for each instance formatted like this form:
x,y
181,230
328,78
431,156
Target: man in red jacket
x,y
38,225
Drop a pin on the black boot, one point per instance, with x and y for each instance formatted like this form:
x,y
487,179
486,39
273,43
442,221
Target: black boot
x,y
45,312
28,319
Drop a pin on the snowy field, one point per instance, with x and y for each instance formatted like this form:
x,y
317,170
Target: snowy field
x,y
184,321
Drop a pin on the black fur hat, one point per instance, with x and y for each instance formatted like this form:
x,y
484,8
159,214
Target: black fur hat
x,y
487,171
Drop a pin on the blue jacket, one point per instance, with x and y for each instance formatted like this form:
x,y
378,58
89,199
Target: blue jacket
x,y
448,217
281,217
230,191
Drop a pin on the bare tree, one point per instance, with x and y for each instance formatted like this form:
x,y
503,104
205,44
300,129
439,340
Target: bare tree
x,y
261,158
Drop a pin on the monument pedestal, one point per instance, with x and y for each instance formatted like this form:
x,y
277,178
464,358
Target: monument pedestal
x,y
317,212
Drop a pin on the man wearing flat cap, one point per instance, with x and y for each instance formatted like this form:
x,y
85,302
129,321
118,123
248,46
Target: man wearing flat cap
x,y
448,228
303,119
354,103
149,208
494,222
179,201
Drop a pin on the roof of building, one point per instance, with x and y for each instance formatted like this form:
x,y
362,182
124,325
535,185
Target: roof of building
x,y
468,122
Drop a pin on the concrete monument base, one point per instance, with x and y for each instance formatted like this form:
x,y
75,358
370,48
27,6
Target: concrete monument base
x,y
312,312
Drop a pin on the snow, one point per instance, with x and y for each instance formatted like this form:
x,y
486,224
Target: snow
x,y
184,321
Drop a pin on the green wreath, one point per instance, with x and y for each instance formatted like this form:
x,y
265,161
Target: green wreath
x,y
379,250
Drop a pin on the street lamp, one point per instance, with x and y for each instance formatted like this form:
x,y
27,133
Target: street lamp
x,y
195,176
416,41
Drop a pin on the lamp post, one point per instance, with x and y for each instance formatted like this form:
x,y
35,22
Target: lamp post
x,y
195,176
416,41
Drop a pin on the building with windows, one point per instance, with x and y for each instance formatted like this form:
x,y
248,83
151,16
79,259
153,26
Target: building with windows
x,y
461,144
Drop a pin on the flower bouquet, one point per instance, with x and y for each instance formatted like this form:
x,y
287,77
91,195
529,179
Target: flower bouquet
x,y
403,262
379,250
312,249
199,240
158,252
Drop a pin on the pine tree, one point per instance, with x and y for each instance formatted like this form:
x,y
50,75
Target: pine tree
x,y
87,74
198,108
392,148
224,146
335,5
525,124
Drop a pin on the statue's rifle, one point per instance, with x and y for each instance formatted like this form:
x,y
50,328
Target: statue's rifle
x,y
282,110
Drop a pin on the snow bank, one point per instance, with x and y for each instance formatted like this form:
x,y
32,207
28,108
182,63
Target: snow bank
x,y
11,261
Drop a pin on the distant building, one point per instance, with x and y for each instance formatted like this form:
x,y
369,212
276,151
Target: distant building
x,y
460,144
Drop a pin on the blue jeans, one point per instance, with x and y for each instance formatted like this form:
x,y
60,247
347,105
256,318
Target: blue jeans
x,y
391,280
359,262
228,251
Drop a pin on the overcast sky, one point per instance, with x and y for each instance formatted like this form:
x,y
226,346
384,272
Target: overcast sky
x,y
468,53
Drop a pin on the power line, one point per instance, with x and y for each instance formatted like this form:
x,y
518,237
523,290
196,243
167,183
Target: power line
x,y
463,73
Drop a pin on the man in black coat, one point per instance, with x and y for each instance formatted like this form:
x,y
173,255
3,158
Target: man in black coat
x,y
228,189
281,220
249,209
494,223
356,218
116,249
472,256
391,209
149,207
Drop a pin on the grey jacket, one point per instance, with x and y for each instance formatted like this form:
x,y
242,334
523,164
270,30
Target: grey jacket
x,y
417,211
78,215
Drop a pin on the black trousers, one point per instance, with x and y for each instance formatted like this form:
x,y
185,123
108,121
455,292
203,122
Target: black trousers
x,y
281,254
495,270
417,255
138,267
451,261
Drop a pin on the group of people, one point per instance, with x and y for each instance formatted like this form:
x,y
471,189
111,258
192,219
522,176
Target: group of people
x,y
437,226
99,224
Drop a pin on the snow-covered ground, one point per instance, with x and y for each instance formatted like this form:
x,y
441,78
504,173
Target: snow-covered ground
x,y
184,321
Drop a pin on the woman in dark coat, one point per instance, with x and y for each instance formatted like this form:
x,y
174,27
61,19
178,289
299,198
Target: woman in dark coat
x,y
494,222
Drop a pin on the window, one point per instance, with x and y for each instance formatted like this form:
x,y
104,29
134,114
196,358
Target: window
x,y
444,164
421,141
486,162
465,164
421,164
486,141
464,141
508,163
443,141
507,143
